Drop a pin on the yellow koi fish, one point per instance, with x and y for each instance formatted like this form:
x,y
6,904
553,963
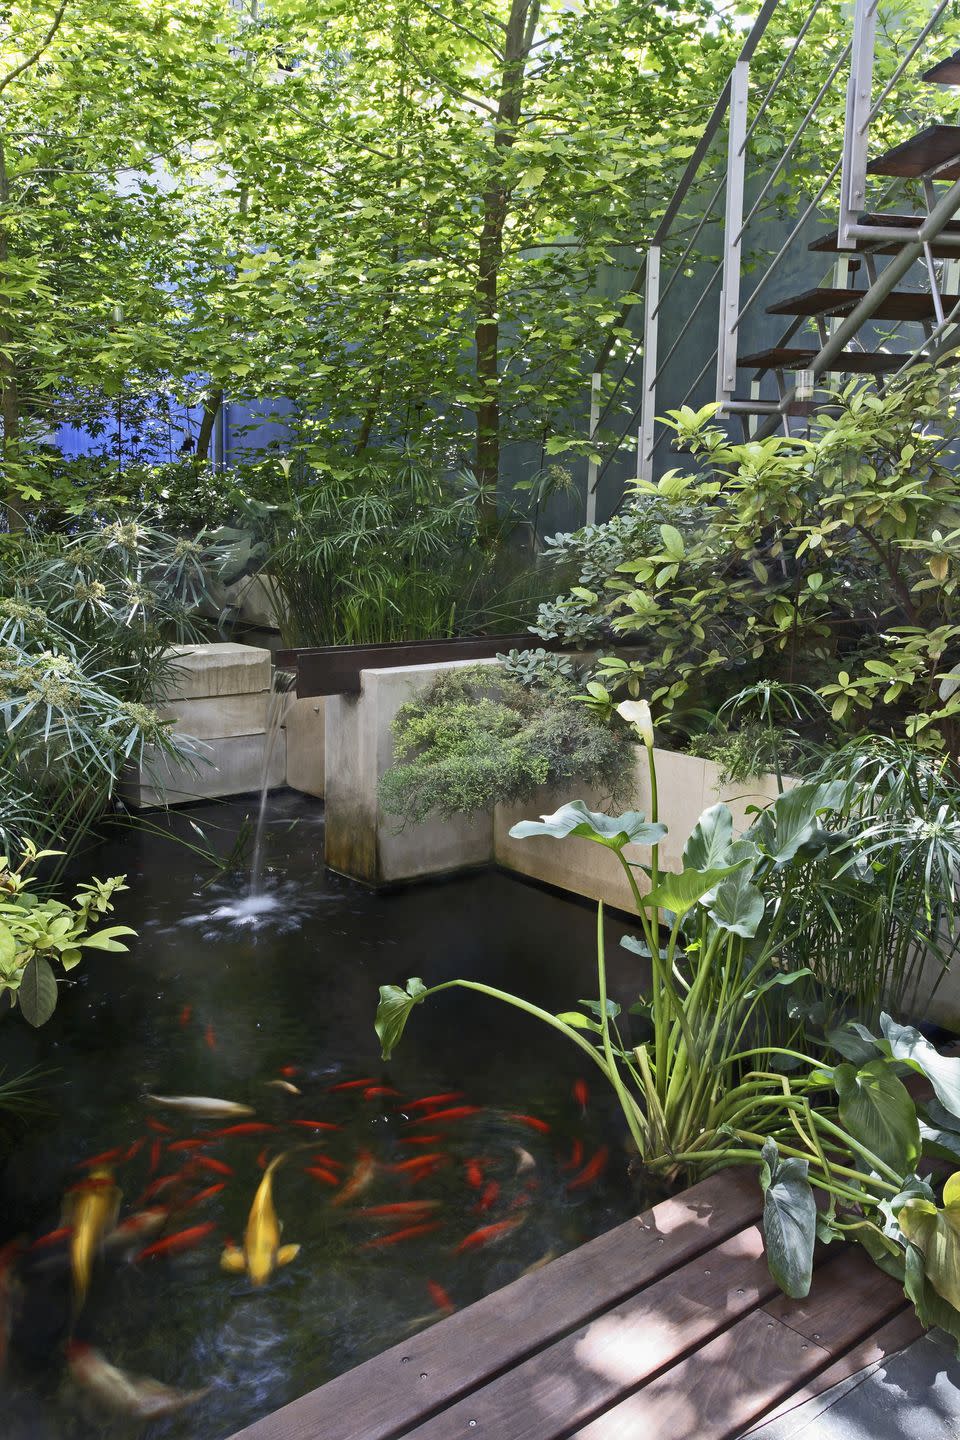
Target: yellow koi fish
x,y
262,1251
138,1396
91,1211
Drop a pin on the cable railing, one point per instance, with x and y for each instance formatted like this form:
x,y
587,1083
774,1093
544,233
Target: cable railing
x,y
772,67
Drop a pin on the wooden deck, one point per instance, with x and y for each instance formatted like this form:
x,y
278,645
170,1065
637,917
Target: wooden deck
x,y
667,1326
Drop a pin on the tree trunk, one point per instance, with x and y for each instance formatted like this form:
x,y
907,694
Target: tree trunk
x,y
521,29
211,410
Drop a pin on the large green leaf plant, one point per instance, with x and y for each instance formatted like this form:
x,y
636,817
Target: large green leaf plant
x,y
726,1075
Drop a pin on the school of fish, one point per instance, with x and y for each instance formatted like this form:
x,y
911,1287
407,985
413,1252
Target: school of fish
x,y
177,1184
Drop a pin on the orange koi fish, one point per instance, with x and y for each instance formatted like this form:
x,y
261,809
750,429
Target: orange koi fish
x,y
176,1244
460,1112
262,1159
363,1173
185,1014
531,1121
210,1038
156,1151
421,1140
186,1145
315,1125
593,1169
374,1092
473,1172
352,1084
491,1193
440,1298
161,1185
576,1157
429,1102
397,1235
248,1127
417,1163
158,1127
204,1195
135,1148
320,1172
137,1228
581,1094
104,1159
398,1207
487,1234
288,1071
46,1242
207,1162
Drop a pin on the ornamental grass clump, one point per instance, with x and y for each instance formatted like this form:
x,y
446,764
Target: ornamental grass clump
x,y
479,736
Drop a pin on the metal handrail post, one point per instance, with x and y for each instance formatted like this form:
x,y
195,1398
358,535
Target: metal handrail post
x,y
733,230
856,129
593,466
648,397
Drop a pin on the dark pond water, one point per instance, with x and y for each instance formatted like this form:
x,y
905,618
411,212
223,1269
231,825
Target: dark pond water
x,y
215,1002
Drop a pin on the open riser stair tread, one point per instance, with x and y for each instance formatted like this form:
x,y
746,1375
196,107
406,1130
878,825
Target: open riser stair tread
x,y
903,305
849,362
933,150
941,248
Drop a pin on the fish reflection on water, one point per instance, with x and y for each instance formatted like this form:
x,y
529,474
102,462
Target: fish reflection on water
x,y
489,1176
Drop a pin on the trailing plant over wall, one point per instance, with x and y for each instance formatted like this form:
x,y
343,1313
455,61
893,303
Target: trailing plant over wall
x,y
832,560
727,1075
480,736
38,932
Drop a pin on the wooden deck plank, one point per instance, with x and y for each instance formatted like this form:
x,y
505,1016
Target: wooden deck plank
x,y
726,1385
596,1366
382,1398
892,1337
715,1393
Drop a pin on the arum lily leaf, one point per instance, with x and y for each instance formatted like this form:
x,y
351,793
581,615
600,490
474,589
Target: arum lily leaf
x,y
37,993
854,1042
738,906
710,839
936,1233
876,1108
932,1310
580,1022
789,1220
393,1012
791,825
614,831
939,1144
679,893
613,1009
909,1045
639,946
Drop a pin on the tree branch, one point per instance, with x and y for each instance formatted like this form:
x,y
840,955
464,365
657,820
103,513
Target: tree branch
x,y
35,56
449,20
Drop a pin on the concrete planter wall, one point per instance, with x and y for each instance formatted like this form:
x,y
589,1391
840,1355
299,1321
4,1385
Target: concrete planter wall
x,y
305,725
221,696
364,842
686,787
361,840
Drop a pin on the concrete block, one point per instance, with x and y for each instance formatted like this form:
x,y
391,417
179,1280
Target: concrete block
x,y
361,840
304,721
224,668
215,717
227,766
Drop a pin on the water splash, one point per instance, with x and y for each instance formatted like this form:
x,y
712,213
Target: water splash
x,y
283,682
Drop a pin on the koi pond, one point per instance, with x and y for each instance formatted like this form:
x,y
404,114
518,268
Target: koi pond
x,y
481,1150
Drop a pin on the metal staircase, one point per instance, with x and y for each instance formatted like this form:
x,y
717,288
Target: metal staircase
x,y
857,323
